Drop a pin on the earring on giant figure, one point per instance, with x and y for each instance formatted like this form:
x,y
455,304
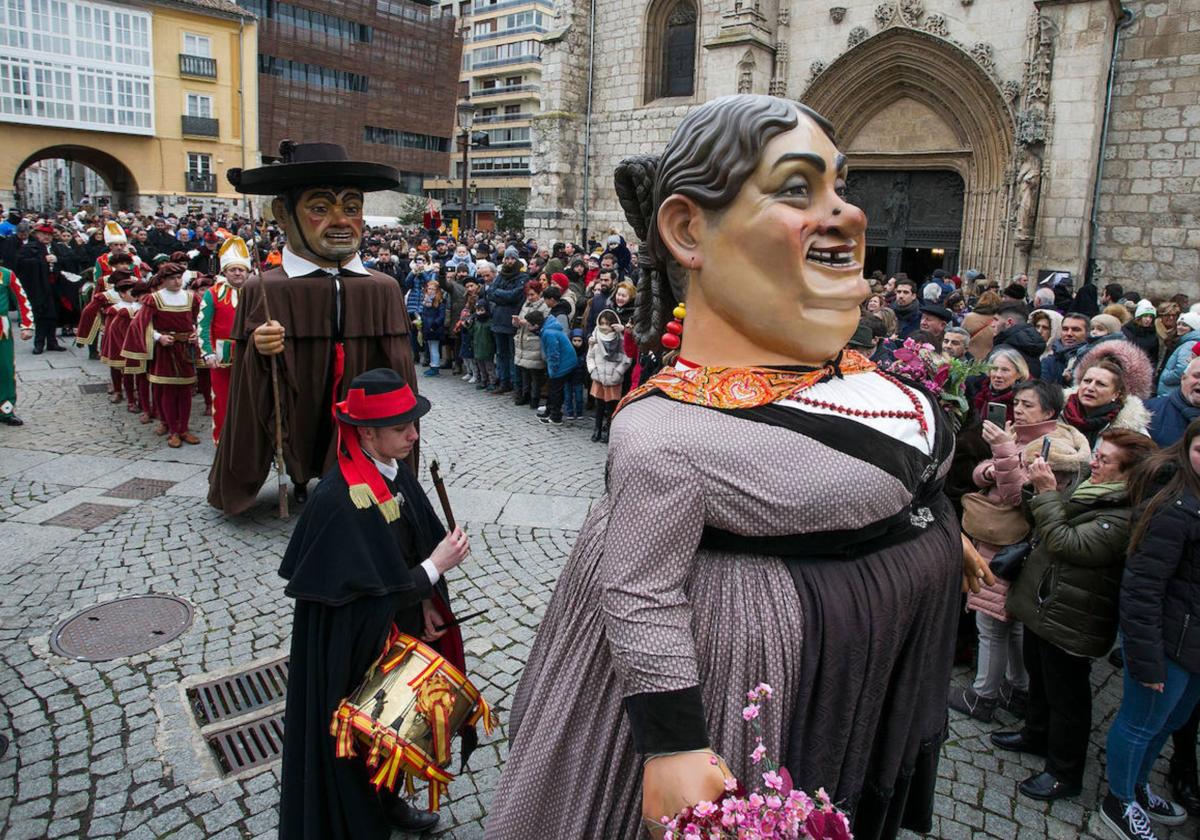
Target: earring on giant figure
x,y
671,338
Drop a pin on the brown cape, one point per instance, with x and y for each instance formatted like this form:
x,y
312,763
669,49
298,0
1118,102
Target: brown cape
x,y
375,334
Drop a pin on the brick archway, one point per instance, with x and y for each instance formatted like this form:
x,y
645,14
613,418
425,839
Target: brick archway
x,y
900,63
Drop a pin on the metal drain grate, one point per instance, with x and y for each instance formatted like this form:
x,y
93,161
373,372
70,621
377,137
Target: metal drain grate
x,y
240,693
94,388
86,516
140,488
248,745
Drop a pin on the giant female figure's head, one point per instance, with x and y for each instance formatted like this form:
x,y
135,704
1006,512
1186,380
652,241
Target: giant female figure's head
x,y
744,217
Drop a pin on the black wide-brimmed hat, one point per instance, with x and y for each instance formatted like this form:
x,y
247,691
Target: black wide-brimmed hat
x,y
311,165
936,311
379,398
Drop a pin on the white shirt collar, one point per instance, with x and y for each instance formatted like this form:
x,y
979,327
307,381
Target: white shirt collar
x,y
388,471
295,265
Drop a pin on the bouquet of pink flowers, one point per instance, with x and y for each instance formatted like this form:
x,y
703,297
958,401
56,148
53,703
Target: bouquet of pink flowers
x,y
773,811
943,376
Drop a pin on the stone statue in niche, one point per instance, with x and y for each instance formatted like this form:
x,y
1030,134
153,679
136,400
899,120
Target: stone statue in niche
x,y
746,74
1029,185
896,208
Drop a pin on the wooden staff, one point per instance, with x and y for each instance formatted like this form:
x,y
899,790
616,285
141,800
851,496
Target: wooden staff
x,y
279,466
440,486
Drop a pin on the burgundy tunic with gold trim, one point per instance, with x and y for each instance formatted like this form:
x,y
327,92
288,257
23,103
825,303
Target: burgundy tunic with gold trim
x,y
165,365
116,327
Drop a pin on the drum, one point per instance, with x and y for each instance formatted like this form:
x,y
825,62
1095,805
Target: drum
x,y
405,712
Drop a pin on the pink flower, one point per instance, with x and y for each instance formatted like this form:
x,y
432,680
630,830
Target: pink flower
x,y
757,755
703,810
772,780
774,803
730,785
750,712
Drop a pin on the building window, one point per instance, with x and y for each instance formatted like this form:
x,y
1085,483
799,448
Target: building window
x,y
199,105
200,45
405,139
76,64
671,49
331,25
199,165
313,75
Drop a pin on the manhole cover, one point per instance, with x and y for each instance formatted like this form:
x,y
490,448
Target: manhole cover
x,y
85,516
122,628
94,388
140,488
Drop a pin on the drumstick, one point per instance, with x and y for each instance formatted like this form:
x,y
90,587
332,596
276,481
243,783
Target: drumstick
x,y
439,485
458,621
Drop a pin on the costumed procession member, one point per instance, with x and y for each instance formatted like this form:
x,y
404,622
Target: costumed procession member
x,y
13,296
163,334
197,282
331,319
218,307
135,369
792,527
118,246
35,264
117,319
359,569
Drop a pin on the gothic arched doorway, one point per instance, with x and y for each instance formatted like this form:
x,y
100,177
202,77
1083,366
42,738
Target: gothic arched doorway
x,y
914,219
905,100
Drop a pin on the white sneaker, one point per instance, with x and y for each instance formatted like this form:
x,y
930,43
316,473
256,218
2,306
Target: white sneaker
x,y
470,380
1158,809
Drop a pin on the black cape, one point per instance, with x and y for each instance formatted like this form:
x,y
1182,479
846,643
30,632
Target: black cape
x,y
352,575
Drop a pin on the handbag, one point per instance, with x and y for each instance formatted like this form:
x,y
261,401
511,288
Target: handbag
x,y
1008,561
989,522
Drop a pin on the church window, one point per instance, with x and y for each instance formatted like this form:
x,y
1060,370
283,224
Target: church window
x,y
671,49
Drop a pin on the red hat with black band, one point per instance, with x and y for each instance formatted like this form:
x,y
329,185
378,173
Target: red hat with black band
x,y
377,398
44,227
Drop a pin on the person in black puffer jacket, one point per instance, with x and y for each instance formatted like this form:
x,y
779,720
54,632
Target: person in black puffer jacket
x,y
1160,626
1011,329
1142,332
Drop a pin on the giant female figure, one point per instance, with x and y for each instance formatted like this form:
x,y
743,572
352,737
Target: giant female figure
x,y
776,516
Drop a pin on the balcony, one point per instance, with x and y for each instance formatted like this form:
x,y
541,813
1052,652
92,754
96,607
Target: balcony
x,y
200,182
492,119
504,62
201,126
480,93
484,8
504,33
197,66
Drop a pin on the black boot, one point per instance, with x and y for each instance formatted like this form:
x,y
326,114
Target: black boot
x,y
301,491
11,420
405,817
1185,788
599,427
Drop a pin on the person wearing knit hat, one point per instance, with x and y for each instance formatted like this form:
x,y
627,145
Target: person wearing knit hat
x,y
163,334
12,294
1105,324
1141,330
367,558
1188,331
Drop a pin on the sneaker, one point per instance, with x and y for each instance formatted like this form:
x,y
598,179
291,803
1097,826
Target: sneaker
x,y
546,420
432,372
466,377
1126,820
965,700
1158,809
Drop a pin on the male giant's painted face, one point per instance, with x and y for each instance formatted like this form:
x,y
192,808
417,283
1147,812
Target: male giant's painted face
x,y
785,258
327,226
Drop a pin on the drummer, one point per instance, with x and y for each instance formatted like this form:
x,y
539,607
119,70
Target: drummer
x,y
367,556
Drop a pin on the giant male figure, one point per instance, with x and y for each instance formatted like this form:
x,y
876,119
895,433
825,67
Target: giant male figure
x,y
331,319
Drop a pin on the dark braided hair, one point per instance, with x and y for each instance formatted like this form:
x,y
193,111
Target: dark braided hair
x,y
708,159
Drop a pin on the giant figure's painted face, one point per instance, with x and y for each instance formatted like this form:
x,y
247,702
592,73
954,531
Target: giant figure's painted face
x,y
784,261
328,223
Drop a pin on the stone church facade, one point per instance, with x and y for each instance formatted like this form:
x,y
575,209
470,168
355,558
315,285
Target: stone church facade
x,y
984,134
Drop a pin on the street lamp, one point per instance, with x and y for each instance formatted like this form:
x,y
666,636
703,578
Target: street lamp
x,y
466,118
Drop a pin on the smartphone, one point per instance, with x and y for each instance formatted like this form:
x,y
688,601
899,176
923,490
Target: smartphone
x,y
997,413
1046,449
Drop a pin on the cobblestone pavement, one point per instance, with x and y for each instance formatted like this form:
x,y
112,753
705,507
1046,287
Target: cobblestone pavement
x,y
111,749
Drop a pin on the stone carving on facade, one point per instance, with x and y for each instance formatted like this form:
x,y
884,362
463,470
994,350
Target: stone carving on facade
x,y
982,52
816,68
778,86
785,14
1029,186
1032,131
884,13
837,14
936,25
912,11
1012,91
857,35
966,2
746,73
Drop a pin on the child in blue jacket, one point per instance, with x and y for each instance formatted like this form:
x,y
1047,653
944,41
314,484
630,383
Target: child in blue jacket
x,y
560,358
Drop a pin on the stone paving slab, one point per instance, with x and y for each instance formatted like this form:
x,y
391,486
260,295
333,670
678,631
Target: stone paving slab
x,y
16,461
24,542
76,470
471,505
540,511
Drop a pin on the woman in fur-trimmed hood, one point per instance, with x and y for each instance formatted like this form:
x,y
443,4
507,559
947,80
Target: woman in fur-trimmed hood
x,y
1111,380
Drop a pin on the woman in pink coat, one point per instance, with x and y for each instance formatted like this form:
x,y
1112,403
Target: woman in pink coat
x,y
994,519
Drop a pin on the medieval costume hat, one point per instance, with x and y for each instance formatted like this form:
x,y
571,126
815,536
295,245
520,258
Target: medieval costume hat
x,y
377,398
44,227
114,234
122,279
170,269
235,253
309,164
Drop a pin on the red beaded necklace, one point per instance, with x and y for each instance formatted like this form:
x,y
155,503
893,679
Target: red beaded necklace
x,y
917,413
